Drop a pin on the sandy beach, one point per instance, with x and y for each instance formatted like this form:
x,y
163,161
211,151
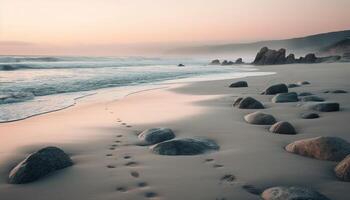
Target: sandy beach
x,y
101,138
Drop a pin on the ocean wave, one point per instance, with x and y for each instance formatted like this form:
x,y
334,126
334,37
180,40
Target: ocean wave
x,y
15,97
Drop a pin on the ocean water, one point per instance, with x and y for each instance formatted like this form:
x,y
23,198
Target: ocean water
x,y
31,85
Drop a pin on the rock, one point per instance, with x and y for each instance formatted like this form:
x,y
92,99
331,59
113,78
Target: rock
x,y
260,118
342,170
237,101
239,84
283,127
215,62
268,56
239,61
285,97
292,85
303,83
225,62
305,94
290,59
248,103
292,193
310,116
275,89
156,135
322,148
311,98
181,65
39,164
338,91
185,146
325,107
309,58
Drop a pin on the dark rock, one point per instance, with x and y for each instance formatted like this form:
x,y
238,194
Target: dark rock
x,y
339,91
215,62
270,57
237,101
39,164
325,107
156,135
285,97
225,62
342,170
311,98
322,148
181,65
303,83
185,146
292,85
290,59
248,103
239,61
309,58
239,84
283,127
275,89
260,118
292,193
305,94
310,115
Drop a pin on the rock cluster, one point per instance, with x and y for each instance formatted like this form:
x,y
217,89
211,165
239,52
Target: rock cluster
x,y
226,62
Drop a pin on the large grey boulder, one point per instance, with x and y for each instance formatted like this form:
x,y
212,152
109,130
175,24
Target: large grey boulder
x,y
311,98
285,97
248,103
260,118
292,193
239,84
275,89
325,107
185,146
268,56
156,135
342,170
283,127
322,148
39,164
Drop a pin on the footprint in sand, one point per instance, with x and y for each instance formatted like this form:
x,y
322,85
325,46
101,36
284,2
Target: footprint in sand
x,y
218,166
122,189
119,136
128,126
111,166
228,178
135,174
131,164
117,141
150,194
112,148
142,184
127,157
124,124
109,154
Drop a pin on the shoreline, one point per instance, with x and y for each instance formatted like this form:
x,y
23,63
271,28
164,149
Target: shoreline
x,y
248,152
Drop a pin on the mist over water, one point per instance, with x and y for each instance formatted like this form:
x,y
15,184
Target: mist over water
x,y
34,85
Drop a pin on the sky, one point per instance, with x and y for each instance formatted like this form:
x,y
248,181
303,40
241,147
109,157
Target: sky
x,y
97,27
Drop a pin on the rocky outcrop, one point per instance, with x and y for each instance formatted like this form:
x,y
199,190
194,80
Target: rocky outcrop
x,y
239,61
260,118
342,170
156,135
322,148
185,146
39,164
226,62
292,193
283,127
285,97
275,89
239,84
248,103
215,62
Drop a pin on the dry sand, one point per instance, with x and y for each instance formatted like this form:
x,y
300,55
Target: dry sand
x,y
91,130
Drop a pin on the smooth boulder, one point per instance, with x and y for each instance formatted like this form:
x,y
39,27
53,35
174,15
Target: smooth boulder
x,y
39,164
239,84
312,98
275,89
342,170
310,115
285,97
260,118
156,135
321,148
292,193
185,146
325,107
248,103
283,127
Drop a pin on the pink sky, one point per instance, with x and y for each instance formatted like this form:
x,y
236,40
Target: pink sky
x,y
82,26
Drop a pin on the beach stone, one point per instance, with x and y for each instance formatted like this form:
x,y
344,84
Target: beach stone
x,y
336,91
260,118
292,193
185,146
39,164
275,89
325,107
312,98
248,103
321,148
292,85
285,97
239,84
156,135
283,127
342,170
310,115
303,83
302,94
